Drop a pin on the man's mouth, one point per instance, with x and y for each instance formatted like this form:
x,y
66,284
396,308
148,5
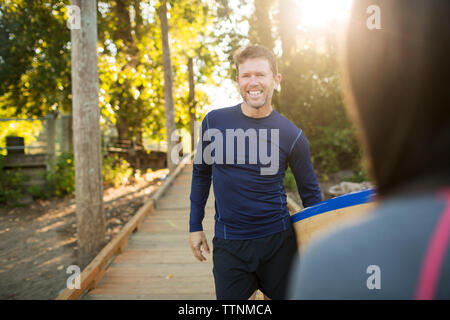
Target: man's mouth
x,y
254,93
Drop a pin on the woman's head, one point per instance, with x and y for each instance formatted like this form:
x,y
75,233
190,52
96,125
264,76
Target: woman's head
x,y
398,78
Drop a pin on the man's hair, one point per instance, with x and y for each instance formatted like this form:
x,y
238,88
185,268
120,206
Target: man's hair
x,y
255,51
398,78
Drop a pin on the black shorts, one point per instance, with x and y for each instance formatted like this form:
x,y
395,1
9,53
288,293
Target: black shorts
x,y
242,266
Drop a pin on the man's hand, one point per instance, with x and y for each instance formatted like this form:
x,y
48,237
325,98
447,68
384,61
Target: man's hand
x,y
198,241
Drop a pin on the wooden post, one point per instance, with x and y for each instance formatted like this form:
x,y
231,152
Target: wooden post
x,y
191,101
168,82
86,134
67,134
50,129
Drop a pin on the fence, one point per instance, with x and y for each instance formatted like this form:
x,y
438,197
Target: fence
x,y
57,136
33,164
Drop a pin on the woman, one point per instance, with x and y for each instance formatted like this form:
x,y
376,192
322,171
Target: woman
x,y
398,93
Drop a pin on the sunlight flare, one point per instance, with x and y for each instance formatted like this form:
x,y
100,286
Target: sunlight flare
x,y
321,13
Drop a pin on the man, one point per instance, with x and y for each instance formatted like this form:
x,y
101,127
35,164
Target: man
x,y
246,149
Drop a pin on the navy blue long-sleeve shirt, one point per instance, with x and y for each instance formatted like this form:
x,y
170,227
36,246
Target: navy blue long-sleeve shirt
x,y
246,159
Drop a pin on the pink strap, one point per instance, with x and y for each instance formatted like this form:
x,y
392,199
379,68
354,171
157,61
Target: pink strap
x,y
435,254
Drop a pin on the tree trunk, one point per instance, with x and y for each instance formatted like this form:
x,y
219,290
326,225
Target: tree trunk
x,y
128,128
87,138
286,19
191,102
168,82
263,25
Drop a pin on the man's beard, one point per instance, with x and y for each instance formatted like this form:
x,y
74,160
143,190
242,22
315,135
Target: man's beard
x,y
255,106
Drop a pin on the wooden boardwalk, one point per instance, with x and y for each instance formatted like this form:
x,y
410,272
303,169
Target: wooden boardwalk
x,y
157,262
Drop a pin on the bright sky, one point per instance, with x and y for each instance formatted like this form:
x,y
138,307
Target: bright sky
x,y
320,13
314,14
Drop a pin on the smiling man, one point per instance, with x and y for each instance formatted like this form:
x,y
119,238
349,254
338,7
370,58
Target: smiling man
x,y
254,240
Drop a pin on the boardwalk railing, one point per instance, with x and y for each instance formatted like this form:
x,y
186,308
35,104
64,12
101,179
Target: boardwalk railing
x,y
94,272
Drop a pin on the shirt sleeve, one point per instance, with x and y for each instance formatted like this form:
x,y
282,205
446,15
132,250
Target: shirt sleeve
x,y
303,170
201,183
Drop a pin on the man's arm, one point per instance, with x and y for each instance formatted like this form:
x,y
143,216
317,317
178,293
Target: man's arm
x,y
303,170
201,183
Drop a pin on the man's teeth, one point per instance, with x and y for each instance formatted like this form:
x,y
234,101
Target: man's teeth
x,y
254,93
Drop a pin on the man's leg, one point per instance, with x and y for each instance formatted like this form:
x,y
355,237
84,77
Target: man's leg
x,y
273,272
233,270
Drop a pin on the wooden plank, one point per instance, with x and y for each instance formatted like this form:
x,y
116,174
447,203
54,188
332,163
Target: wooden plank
x,y
93,273
163,289
158,194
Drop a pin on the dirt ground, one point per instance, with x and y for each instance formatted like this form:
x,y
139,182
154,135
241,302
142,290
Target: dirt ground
x,y
38,241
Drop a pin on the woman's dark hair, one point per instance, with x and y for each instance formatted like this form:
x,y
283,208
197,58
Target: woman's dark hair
x,y
399,83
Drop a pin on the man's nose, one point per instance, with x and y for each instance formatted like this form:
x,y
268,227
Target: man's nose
x,y
254,80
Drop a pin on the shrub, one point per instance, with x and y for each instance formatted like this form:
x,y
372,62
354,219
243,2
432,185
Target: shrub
x,y
289,180
60,179
11,190
334,149
116,171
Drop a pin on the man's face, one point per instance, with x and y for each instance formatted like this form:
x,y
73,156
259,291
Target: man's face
x,y
257,82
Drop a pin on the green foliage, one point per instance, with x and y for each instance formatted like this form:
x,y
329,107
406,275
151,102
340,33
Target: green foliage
x,y
359,176
29,130
35,70
11,189
130,64
60,179
35,65
361,171
289,180
116,171
333,148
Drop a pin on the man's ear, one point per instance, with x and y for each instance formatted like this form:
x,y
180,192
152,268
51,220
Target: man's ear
x,y
278,78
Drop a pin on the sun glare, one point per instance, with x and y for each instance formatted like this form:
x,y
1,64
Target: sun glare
x,y
321,13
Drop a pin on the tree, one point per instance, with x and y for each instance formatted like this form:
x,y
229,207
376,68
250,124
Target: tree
x,y
191,101
34,57
87,143
168,84
132,93
261,26
35,75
